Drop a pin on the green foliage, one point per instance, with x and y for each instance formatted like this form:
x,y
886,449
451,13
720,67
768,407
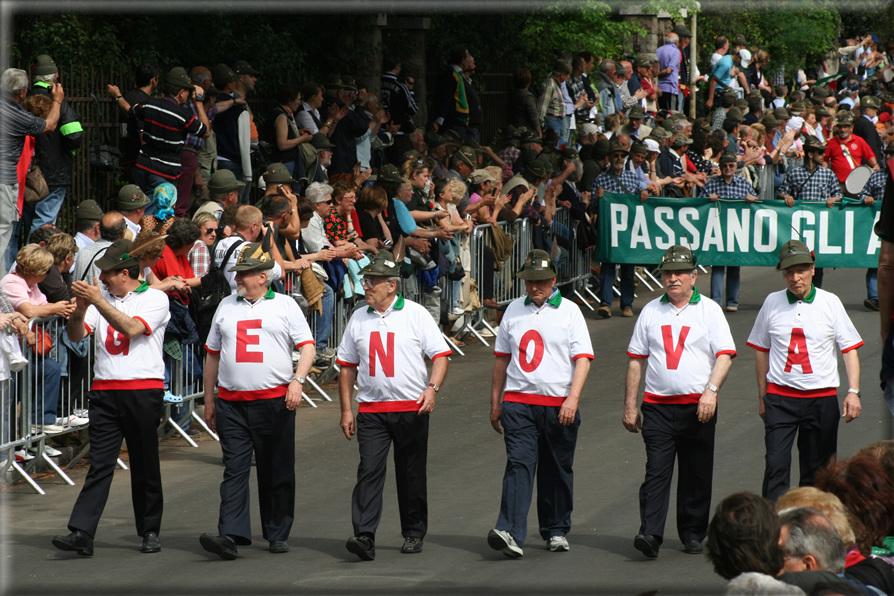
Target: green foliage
x,y
68,39
673,7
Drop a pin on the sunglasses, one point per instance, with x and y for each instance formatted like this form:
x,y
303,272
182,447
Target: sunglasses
x,y
211,230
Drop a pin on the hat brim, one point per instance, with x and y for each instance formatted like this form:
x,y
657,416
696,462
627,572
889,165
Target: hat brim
x,y
536,274
371,271
107,264
270,264
127,206
795,260
279,180
676,267
222,189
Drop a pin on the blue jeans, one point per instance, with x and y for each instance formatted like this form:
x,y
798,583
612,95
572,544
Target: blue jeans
x,y
46,211
236,168
607,278
12,249
732,285
324,321
567,138
558,125
872,284
148,182
46,384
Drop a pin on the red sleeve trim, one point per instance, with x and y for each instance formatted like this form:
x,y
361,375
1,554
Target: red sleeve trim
x,y
343,363
587,356
501,354
143,321
87,327
730,353
441,355
210,351
632,355
853,347
304,343
758,348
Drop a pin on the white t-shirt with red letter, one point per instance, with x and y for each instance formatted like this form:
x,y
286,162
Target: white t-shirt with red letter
x,y
543,343
129,364
389,351
255,342
800,336
681,345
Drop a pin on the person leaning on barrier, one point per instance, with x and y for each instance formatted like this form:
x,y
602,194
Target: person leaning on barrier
x,y
687,345
797,371
543,353
112,227
128,320
250,359
383,349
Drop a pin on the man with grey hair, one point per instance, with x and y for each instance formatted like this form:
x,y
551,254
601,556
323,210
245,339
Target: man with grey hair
x,y
54,151
814,552
16,125
606,88
377,117
669,58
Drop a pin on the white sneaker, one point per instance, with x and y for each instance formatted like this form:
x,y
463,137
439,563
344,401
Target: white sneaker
x,y
504,542
484,332
23,455
457,311
558,544
75,420
51,451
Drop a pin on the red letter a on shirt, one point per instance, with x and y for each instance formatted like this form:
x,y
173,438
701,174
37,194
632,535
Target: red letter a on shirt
x,y
377,350
673,353
797,352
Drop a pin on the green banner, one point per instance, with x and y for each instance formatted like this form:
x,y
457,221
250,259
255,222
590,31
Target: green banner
x,y
735,232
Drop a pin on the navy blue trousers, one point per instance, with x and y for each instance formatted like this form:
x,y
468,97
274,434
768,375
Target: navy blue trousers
x,y
673,432
537,443
267,428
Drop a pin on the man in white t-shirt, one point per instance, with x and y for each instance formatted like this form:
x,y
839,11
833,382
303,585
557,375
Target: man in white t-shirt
x,y
797,371
543,355
249,357
127,320
383,349
250,227
686,342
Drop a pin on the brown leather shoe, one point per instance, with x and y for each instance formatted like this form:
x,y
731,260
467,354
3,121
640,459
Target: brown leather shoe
x,y
627,312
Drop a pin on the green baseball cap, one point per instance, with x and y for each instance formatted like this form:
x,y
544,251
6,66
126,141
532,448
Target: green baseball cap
x,y
537,266
253,257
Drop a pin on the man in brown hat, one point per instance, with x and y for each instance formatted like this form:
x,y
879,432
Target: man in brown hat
x,y
794,337
223,189
543,353
132,204
249,358
87,217
128,320
383,351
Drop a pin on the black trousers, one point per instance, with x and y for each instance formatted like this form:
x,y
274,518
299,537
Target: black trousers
x,y
266,428
672,431
815,421
375,434
132,416
537,442
667,102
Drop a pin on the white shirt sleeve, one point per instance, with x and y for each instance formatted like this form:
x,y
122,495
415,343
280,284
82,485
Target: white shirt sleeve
x,y
639,342
846,334
213,342
721,339
156,311
244,127
298,327
581,346
501,345
91,318
433,343
759,338
347,349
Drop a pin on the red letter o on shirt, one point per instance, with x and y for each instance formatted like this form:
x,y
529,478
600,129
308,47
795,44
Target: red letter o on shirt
x,y
530,365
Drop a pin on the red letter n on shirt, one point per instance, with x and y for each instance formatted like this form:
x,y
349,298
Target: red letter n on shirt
x,y
673,353
797,352
378,351
243,340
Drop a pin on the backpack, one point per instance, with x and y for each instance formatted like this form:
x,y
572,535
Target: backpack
x,y
213,290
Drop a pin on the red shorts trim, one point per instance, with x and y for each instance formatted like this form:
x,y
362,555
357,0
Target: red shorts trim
x,y
801,393
377,407
688,398
252,394
587,356
126,384
304,343
853,347
758,348
343,363
731,353
533,399
441,355
501,354
143,321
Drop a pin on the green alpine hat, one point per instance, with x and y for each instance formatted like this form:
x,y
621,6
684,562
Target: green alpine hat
x,y
794,252
222,75
538,266
382,265
118,256
389,173
88,209
132,197
253,257
467,155
177,77
277,173
678,258
45,66
321,142
224,181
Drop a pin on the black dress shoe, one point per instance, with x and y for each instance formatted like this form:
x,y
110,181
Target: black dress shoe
x,y
279,546
412,544
693,547
221,546
76,541
646,544
362,546
151,543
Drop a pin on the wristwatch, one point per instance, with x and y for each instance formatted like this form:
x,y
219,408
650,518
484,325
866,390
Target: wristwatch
x,y
435,387
299,379
712,387
855,392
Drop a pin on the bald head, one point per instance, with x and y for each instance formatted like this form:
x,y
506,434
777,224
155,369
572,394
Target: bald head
x,y
200,76
112,226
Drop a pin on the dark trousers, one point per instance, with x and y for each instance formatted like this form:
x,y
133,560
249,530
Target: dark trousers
x,y
628,284
189,165
375,434
537,442
133,416
672,431
667,101
267,428
815,421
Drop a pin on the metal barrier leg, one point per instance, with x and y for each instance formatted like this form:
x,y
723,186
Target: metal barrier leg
x,y
57,469
453,345
653,278
122,465
201,422
318,389
308,400
15,466
583,300
177,429
643,280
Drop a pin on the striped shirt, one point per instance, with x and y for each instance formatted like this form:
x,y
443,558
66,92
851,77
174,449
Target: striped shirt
x,y
15,124
551,103
875,188
165,126
191,139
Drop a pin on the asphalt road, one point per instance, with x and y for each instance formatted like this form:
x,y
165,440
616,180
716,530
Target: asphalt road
x,y
465,466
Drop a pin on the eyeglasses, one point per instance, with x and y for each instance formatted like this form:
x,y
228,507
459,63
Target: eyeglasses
x,y
210,231
370,283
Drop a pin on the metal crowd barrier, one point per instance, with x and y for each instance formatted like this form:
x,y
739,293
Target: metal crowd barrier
x,y
576,268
